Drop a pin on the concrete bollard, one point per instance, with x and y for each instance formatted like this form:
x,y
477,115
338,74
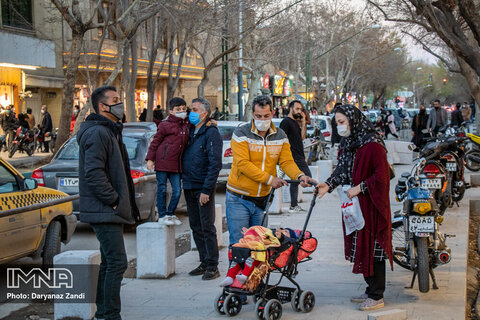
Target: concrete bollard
x,y
314,171
82,311
394,314
286,194
475,180
218,226
276,206
325,169
155,251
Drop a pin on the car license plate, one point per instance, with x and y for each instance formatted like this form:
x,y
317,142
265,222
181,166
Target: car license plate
x,y
68,182
421,224
432,183
451,166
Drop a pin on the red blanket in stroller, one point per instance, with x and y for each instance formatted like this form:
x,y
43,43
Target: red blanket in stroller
x,y
309,245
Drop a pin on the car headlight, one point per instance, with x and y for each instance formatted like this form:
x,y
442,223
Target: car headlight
x,y
422,207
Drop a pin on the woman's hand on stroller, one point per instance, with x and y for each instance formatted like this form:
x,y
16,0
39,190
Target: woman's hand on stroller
x,y
322,189
306,181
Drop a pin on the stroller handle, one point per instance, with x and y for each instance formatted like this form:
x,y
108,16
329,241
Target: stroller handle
x,y
312,182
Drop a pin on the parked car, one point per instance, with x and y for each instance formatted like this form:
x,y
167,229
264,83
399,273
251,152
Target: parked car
x,y
62,172
226,129
38,232
324,124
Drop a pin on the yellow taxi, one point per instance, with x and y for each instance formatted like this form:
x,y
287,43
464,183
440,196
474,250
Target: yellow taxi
x,y
36,231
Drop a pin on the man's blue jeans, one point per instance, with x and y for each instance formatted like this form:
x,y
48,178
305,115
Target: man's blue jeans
x,y
174,178
241,213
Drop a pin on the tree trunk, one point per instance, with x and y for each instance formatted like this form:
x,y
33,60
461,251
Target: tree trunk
x,y
474,85
201,87
68,88
131,113
125,76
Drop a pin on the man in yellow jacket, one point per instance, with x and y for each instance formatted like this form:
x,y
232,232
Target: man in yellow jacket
x,y
257,149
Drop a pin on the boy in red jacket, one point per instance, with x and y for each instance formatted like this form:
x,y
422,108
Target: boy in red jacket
x,y
165,154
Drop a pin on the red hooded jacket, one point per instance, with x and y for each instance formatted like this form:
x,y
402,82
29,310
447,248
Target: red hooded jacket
x,y
166,148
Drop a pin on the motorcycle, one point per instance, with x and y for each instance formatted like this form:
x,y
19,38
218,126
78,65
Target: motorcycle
x,y
472,156
443,172
3,142
418,244
23,141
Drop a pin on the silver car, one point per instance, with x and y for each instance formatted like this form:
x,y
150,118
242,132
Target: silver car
x,y
62,172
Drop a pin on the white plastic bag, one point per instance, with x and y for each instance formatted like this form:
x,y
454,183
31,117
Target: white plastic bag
x,y
351,212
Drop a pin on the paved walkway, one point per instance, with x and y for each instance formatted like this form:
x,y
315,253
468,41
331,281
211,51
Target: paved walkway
x,y
22,160
328,275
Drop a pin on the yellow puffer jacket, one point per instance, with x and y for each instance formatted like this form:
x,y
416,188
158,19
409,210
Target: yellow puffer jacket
x,y
255,160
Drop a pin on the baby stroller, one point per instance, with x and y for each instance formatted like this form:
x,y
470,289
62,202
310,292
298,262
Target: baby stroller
x,y
268,296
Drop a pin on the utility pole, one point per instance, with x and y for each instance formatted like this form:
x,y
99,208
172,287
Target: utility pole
x,y
225,75
308,71
240,63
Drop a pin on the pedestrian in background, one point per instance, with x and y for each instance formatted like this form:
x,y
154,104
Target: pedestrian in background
x,y
202,162
363,166
30,118
474,110
9,124
157,115
438,118
335,138
456,117
107,195
165,154
466,112
143,115
76,111
216,115
46,128
419,123
390,128
295,134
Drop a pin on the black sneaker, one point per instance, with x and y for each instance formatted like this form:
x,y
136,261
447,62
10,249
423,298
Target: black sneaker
x,y
198,271
211,274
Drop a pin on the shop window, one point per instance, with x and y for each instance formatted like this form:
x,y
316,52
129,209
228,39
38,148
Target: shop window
x,y
17,14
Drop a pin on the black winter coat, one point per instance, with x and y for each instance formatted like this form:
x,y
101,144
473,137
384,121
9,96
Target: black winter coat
x,y
202,159
104,173
46,125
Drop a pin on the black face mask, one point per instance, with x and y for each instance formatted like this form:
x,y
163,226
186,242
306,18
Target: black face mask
x,y
423,111
436,107
297,116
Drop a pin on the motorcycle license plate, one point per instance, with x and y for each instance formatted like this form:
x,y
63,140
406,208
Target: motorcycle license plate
x,y
68,182
451,166
421,224
432,183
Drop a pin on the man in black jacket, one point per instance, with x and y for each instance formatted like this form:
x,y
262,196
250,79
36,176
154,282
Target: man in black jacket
x,y
107,198
46,126
202,162
8,121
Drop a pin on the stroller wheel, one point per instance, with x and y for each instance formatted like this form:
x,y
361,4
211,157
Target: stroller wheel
x,y
260,308
219,303
232,305
296,300
273,310
307,301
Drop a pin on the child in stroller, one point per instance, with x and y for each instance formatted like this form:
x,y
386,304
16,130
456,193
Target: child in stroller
x,y
255,239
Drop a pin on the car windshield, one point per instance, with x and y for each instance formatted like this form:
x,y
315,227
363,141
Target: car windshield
x,y
226,132
321,124
70,149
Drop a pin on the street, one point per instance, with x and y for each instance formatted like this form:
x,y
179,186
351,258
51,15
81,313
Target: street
x,y
328,275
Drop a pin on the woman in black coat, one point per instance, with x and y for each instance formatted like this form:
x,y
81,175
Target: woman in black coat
x,y
419,123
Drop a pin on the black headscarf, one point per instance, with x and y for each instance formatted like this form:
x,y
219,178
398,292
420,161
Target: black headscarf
x,y
362,132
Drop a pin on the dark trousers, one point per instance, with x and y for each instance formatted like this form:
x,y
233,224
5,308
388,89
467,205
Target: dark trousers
x,y
376,283
113,265
302,165
202,223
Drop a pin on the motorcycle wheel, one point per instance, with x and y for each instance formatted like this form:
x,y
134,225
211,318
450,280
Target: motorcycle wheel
x,y
423,264
30,149
399,245
458,195
12,150
471,165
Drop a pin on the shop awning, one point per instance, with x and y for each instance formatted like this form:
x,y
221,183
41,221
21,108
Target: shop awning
x,y
10,77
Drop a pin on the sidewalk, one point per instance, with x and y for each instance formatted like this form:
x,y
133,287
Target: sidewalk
x,y
22,160
328,275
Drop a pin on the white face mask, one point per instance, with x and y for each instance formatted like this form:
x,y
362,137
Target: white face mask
x,y
181,115
262,125
343,131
